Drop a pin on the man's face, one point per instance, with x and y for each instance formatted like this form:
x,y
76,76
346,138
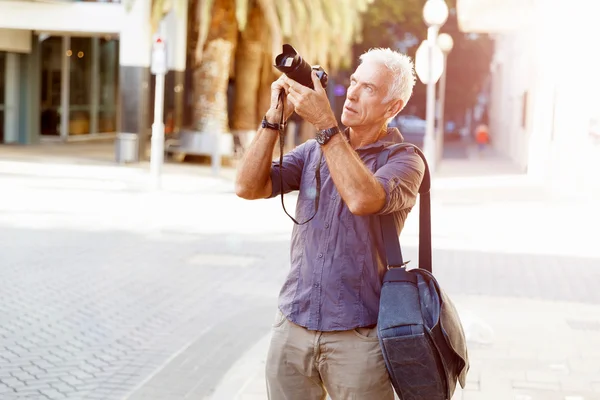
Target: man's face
x,y
364,106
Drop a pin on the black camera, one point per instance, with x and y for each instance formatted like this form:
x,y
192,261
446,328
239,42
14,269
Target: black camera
x,y
291,63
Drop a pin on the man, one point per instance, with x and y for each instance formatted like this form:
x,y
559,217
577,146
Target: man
x,y
325,336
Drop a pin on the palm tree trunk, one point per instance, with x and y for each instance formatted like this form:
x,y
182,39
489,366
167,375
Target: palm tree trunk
x,y
248,63
211,76
266,77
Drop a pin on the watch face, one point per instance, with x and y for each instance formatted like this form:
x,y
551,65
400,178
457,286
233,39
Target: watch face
x,y
324,135
321,139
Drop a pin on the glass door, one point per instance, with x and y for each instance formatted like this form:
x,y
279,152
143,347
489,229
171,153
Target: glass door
x,y
80,86
108,75
51,65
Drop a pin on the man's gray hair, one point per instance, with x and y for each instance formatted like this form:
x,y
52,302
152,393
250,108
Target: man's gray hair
x,y
402,69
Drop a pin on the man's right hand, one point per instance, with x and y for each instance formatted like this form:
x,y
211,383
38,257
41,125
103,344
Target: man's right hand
x,y
275,110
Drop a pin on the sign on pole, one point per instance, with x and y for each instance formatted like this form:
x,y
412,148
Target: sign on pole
x,y
158,68
159,56
422,64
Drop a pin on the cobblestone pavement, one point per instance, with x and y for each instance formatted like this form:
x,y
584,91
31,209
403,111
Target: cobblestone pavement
x,y
109,291
99,299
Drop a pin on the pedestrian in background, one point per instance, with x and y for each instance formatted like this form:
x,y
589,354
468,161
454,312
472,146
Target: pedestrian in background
x,y
482,138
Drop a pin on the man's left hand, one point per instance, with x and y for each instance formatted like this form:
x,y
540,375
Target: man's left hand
x,y
312,105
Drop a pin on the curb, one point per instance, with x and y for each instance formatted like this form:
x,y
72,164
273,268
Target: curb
x,y
244,372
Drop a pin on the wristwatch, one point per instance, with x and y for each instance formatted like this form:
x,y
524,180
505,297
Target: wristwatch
x,y
323,136
267,124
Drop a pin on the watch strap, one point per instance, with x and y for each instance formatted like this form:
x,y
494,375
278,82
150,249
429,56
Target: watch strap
x,y
269,125
325,135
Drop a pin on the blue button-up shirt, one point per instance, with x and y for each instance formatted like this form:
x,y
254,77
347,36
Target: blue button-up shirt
x,y
338,259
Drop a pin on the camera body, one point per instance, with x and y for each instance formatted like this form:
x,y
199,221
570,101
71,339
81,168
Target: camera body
x,y
293,65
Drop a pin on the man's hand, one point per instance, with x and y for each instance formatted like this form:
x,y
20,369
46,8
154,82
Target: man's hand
x,y
312,105
275,110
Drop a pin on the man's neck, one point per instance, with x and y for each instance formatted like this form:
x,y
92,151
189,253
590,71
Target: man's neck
x,y
364,136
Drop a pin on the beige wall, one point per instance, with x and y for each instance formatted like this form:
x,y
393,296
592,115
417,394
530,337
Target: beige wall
x,y
494,16
62,16
558,68
15,40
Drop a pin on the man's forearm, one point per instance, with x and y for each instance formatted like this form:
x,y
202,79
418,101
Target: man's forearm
x,y
360,190
254,171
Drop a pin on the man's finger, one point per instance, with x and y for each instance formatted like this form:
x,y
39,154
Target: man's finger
x,y
295,96
316,82
293,99
287,80
297,87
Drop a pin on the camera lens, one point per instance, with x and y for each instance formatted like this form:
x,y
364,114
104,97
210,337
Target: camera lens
x,y
291,63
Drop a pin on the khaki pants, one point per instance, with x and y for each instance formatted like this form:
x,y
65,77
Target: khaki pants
x,y
308,365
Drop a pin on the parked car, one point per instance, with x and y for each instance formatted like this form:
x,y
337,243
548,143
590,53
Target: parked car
x,y
412,128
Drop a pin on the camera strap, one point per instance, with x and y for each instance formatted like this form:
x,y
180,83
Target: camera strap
x,y
281,149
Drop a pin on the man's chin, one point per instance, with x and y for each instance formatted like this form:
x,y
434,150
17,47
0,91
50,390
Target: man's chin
x,y
346,120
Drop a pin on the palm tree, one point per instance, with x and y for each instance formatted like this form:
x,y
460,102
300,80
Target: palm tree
x,y
239,38
249,62
214,54
323,31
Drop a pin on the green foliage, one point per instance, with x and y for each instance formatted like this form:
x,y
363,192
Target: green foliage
x,y
387,23
405,14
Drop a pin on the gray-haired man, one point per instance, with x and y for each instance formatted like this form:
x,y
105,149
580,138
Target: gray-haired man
x,y
325,337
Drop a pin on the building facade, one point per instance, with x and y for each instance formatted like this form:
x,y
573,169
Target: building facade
x,y
544,111
79,70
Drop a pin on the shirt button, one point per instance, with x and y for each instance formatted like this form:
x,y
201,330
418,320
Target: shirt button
x,y
320,255
316,285
327,225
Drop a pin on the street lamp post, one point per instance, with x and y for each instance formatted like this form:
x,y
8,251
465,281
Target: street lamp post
x,y
435,14
445,44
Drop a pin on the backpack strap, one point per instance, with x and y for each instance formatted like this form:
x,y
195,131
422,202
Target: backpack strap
x,y
388,223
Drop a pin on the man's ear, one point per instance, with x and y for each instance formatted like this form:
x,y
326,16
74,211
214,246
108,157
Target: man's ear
x,y
395,107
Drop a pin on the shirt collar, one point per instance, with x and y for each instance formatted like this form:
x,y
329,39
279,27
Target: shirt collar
x,y
392,136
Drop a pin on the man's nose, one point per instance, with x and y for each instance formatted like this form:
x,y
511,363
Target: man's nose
x,y
350,93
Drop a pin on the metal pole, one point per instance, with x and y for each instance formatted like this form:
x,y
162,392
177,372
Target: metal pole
x,y
442,99
95,92
158,130
429,141
216,155
65,87
11,96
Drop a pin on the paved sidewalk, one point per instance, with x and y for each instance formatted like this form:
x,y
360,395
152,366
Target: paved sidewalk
x,y
99,156
519,350
108,286
533,325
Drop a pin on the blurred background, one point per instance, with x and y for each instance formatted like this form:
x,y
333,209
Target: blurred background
x,y
130,270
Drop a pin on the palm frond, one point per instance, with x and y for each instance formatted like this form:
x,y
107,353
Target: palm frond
x,y
270,12
241,13
204,15
284,11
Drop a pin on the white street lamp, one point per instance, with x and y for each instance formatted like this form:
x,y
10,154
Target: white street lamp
x,y
435,14
445,43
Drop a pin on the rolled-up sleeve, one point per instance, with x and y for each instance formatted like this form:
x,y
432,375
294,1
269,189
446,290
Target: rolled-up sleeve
x,y
401,177
290,172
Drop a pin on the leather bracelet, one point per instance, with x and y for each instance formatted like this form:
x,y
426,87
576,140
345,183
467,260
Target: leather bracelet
x,y
268,125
